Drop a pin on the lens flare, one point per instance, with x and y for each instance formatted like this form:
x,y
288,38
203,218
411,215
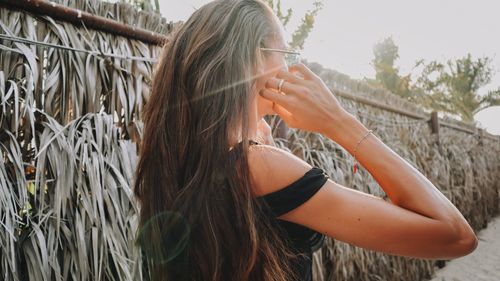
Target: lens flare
x,y
164,236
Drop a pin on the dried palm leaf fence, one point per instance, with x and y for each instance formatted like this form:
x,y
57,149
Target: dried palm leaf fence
x,y
71,97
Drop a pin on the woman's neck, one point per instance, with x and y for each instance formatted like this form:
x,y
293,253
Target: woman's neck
x,y
253,121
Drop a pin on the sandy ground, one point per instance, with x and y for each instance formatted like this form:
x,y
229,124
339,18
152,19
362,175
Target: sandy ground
x,y
481,265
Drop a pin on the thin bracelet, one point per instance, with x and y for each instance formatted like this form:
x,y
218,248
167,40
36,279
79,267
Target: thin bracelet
x,y
355,166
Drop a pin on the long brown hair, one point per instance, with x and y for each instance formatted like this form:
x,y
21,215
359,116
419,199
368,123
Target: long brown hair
x,y
199,219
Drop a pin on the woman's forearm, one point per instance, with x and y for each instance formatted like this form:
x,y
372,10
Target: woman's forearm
x,y
404,185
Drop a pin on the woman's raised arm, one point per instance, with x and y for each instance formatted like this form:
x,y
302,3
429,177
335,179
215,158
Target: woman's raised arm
x,y
420,221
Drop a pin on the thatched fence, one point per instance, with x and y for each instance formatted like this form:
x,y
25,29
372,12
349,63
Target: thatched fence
x,y
71,97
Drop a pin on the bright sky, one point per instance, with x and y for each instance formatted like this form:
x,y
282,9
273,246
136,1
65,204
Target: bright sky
x,y
345,32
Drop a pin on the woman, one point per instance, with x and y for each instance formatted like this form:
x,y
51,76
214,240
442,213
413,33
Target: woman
x,y
220,202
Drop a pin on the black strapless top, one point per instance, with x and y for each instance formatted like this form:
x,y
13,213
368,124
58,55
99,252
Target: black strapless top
x,y
303,239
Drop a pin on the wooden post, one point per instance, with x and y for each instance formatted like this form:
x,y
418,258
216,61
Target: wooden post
x,y
434,122
481,136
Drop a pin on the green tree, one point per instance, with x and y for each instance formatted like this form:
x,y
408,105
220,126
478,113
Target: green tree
x,y
453,86
302,32
386,74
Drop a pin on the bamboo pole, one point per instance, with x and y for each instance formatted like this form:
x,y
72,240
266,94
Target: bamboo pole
x,y
379,105
462,129
385,107
81,18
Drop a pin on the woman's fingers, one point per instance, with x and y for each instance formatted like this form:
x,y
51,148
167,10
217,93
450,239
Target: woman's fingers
x,y
275,97
280,103
288,76
284,114
300,67
303,103
287,87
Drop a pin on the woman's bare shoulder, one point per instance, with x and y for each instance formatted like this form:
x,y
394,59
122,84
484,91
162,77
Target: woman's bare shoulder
x,y
272,168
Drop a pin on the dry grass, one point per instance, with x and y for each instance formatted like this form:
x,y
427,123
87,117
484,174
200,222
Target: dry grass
x,y
67,124
69,129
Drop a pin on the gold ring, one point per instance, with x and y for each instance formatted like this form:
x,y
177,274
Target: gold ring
x,y
280,85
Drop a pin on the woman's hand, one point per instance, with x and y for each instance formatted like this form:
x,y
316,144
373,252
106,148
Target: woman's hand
x,y
304,102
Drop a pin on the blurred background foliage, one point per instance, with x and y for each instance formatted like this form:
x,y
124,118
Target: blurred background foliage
x,y
301,33
452,86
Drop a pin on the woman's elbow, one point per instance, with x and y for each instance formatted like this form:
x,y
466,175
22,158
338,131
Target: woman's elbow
x,y
463,246
468,244
461,241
